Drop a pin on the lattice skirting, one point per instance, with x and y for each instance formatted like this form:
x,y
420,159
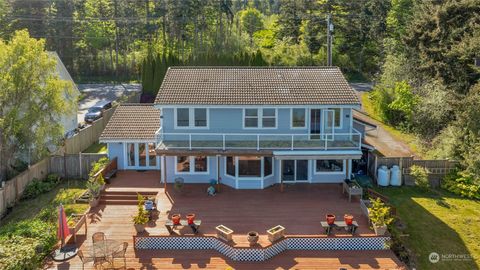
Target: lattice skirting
x,y
261,254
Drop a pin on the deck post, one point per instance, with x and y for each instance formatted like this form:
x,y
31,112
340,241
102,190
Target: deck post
x,y
218,173
280,175
164,172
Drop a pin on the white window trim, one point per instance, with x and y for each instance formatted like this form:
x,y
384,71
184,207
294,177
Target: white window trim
x,y
238,177
191,118
291,119
192,167
225,167
260,118
331,172
137,158
341,118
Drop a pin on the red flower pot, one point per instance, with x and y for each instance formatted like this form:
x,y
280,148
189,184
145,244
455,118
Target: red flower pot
x,y
330,219
176,219
190,218
348,219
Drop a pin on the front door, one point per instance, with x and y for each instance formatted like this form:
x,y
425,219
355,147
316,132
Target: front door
x,y
295,170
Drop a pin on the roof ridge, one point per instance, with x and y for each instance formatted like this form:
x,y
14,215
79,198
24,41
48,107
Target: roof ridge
x,y
253,67
136,104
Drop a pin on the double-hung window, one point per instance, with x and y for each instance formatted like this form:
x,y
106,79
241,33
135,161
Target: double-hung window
x,y
260,118
298,116
191,118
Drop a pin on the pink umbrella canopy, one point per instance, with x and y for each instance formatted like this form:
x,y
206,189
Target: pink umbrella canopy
x,y
63,232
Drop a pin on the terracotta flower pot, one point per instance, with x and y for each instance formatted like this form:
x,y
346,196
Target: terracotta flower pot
x,y
330,219
348,219
252,238
190,218
176,219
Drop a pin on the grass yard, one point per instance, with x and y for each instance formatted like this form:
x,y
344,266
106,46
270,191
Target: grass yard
x,y
99,148
438,221
28,233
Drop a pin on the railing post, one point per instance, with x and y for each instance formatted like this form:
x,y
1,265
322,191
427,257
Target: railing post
x,y
291,147
223,135
258,142
190,141
326,141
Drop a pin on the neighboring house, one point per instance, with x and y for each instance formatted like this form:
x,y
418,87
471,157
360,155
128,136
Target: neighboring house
x,y
69,119
247,127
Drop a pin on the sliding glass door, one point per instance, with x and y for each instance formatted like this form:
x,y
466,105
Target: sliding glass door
x,y
295,170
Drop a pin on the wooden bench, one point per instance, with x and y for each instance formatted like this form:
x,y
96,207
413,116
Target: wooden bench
x,y
109,175
339,224
224,233
195,226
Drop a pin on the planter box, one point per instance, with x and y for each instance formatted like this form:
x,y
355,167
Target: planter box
x,y
380,230
224,233
276,233
80,220
364,204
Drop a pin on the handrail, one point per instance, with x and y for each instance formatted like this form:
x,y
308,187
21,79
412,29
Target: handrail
x,y
260,141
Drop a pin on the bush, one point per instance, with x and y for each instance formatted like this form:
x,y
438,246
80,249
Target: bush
x,y
420,175
97,166
462,183
37,187
25,244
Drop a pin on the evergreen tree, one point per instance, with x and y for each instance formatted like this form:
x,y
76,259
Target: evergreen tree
x,y
290,20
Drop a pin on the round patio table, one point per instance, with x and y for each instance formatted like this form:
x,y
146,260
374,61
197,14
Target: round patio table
x,y
105,248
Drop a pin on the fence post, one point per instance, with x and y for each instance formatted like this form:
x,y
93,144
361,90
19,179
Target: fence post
x,y
80,165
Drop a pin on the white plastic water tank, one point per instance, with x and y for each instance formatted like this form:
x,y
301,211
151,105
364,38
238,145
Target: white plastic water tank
x,y
395,179
383,178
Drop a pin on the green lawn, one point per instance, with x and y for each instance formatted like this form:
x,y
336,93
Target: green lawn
x,y
440,222
100,148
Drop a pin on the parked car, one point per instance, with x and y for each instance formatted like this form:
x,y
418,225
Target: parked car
x,y
95,112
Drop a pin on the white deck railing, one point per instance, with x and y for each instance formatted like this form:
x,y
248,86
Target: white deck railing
x,y
259,141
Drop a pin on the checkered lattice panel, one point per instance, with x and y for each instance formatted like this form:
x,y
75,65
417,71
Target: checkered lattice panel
x,y
256,254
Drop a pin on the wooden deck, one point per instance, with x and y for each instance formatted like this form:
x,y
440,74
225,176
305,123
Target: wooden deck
x,y
300,208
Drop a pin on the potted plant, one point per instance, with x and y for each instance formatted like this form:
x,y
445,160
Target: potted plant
x,y
178,185
252,238
330,219
379,215
348,219
141,218
176,219
190,219
276,233
93,193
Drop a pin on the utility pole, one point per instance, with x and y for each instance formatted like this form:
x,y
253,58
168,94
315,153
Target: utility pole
x,y
329,40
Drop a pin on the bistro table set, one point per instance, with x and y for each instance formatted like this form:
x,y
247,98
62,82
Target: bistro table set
x,y
105,251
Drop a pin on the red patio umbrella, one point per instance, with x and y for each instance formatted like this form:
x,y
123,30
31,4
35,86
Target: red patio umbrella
x,y
65,252
62,232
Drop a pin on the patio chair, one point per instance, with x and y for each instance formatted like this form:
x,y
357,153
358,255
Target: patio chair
x,y
84,259
98,236
121,255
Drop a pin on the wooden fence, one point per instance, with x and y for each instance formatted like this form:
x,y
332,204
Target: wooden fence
x,y
11,190
76,165
437,168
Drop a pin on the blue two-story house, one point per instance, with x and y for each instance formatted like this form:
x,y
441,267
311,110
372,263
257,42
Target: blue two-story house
x,y
246,127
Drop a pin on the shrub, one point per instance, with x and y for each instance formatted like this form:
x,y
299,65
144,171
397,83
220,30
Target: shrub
x,y
379,213
462,183
141,217
97,166
420,175
37,187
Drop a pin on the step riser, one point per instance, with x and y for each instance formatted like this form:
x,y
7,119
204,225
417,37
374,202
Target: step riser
x,y
107,202
129,193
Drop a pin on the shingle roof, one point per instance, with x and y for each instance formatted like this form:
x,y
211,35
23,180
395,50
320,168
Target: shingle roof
x,y
255,86
132,121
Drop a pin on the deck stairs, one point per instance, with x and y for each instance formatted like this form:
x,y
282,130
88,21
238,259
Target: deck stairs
x,y
125,196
